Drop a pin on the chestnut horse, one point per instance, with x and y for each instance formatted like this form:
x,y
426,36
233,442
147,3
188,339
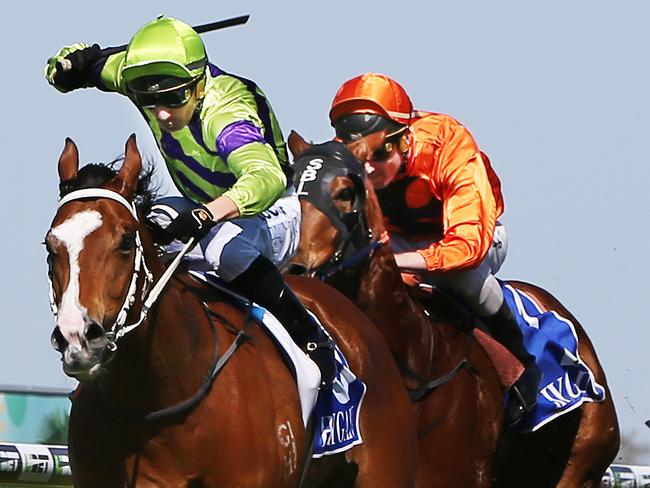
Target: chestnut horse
x,y
185,390
459,423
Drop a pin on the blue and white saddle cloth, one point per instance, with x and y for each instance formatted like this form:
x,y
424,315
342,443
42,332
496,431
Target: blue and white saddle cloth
x,y
567,382
337,411
336,408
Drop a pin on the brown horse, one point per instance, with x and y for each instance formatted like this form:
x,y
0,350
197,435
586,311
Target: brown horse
x,y
184,390
459,423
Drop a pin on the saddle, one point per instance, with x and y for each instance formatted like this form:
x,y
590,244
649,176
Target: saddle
x,y
443,306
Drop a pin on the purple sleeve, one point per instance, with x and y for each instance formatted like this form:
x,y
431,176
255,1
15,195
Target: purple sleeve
x,y
237,135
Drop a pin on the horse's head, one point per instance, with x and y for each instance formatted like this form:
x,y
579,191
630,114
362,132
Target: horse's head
x,y
94,258
340,214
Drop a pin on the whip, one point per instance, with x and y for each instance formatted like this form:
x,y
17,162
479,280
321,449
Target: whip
x,y
66,65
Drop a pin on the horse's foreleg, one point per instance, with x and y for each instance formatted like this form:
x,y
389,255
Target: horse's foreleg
x,y
388,455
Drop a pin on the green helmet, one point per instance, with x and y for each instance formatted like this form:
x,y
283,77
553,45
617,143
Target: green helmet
x,y
165,47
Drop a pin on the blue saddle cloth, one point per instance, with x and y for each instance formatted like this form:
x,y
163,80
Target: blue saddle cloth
x,y
337,411
567,382
337,408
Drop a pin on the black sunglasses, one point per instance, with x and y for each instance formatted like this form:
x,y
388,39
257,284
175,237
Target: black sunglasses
x,y
383,152
174,98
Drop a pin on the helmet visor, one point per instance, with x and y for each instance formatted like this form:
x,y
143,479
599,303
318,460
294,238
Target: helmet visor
x,y
351,127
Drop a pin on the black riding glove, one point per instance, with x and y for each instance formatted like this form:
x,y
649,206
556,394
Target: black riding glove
x,y
191,223
76,69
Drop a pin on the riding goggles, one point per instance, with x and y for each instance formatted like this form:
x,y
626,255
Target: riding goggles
x,y
171,97
382,153
351,127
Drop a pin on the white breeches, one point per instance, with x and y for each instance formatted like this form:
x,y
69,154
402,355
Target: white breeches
x,y
477,286
231,246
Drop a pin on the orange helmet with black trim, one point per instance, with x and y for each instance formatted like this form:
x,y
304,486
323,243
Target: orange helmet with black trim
x,y
372,93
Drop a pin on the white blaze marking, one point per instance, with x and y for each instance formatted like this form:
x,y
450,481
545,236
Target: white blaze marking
x,y
72,233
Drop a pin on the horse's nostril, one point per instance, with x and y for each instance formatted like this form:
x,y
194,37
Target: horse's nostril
x,y
58,341
94,331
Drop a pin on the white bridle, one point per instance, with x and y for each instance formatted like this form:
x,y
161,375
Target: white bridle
x,y
119,329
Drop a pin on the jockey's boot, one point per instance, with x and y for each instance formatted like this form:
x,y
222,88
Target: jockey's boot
x,y
263,283
523,393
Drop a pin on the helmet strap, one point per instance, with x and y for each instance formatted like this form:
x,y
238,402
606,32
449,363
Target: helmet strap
x,y
404,142
404,150
200,92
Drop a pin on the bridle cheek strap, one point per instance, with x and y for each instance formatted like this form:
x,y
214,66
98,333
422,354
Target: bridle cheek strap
x,y
119,329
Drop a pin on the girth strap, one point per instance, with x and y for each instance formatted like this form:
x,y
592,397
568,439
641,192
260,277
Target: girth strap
x,y
419,393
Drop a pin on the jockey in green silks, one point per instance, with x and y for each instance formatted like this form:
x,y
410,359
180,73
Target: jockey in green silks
x,y
225,152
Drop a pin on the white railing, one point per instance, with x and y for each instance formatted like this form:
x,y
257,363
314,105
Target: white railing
x,y
626,476
34,465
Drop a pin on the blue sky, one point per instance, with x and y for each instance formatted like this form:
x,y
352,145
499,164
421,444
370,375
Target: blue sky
x,y
555,92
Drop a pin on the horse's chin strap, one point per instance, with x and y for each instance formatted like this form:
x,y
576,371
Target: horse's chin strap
x,y
119,329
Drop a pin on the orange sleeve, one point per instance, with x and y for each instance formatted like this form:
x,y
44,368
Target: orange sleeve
x,y
469,207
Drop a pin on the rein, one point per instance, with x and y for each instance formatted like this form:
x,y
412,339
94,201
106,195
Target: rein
x,y
148,294
219,361
337,264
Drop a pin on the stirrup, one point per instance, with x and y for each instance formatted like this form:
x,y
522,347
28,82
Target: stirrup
x,y
516,408
325,360
312,345
519,403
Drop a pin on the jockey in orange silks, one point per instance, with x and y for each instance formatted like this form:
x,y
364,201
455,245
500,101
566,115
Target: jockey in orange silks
x,y
441,200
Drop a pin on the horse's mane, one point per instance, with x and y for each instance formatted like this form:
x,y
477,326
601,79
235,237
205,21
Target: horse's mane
x,y
94,175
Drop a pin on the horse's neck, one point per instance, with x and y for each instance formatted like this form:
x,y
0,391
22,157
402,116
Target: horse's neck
x,y
156,364
385,298
402,321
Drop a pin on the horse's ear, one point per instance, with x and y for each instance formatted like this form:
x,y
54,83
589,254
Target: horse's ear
x,y
127,178
68,161
297,145
363,148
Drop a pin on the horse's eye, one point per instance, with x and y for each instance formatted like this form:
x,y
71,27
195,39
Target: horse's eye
x,y
346,195
127,242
